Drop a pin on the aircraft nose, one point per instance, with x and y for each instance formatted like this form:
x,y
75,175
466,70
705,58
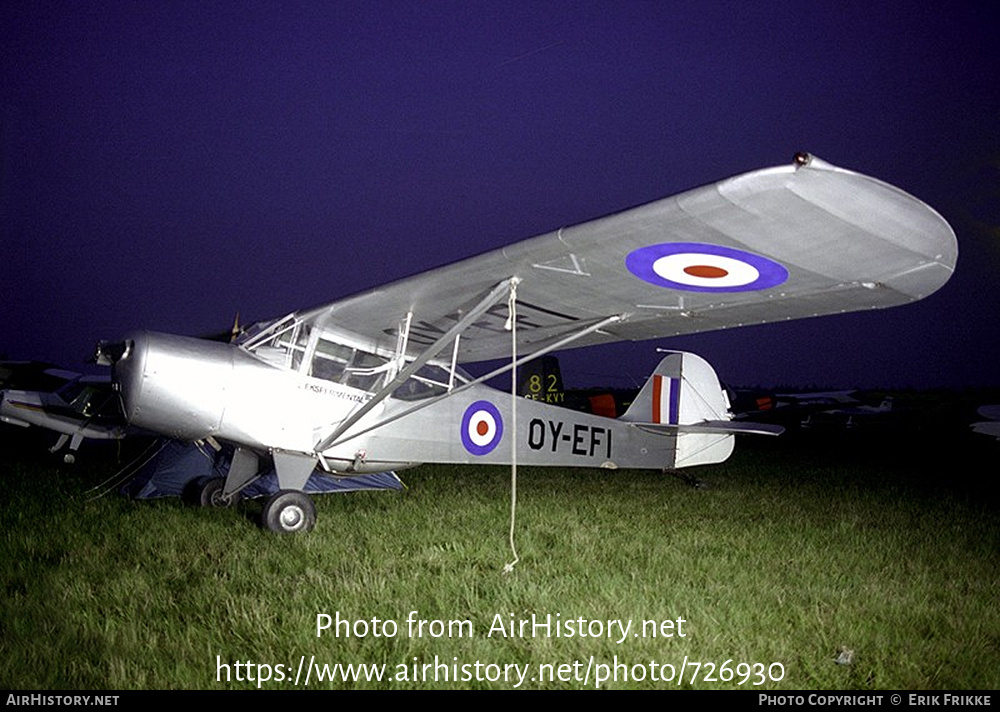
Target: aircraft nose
x,y
173,385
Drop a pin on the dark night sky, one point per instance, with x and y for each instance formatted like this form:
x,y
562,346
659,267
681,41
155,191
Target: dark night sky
x,y
165,165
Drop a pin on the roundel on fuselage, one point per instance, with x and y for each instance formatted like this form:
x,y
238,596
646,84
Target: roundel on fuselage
x,y
482,427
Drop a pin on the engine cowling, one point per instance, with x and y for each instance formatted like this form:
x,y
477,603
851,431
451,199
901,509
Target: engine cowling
x,y
174,385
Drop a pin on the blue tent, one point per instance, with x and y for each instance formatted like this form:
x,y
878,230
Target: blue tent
x,y
174,465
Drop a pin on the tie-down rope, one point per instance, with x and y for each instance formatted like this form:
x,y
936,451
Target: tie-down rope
x,y
512,326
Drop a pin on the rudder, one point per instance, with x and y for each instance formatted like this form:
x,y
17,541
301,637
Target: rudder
x,y
682,390
685,391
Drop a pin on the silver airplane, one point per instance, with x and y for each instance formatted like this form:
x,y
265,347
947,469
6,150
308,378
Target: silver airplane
x,y
375,381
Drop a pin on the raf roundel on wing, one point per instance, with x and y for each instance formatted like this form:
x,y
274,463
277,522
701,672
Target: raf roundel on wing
x,y
696,267
482,427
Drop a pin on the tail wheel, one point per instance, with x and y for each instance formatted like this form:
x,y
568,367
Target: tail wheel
x,y
289,511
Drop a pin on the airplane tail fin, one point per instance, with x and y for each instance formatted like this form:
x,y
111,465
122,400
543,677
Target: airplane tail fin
x,y
684,396
683,390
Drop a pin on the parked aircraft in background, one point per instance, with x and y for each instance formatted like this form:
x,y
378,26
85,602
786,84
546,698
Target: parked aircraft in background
x,y
375,381
33,375
788,409
83,407
851,416
990,426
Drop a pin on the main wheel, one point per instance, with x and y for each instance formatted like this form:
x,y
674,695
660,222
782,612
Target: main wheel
x,y
289,511
211,493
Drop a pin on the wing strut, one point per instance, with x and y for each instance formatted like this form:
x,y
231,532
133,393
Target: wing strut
x,y
494,297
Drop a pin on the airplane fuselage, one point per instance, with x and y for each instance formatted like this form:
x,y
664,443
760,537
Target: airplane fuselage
x,y
191,389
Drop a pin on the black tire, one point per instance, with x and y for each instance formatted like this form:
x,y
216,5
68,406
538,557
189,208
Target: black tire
x,y
289,512
210,494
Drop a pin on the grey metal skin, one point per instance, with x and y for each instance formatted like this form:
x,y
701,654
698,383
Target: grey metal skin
x,y
817,239
193,389
186,388
849,242
174,385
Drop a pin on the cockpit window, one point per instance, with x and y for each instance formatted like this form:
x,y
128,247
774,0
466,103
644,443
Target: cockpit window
x,y
366,371
299,347
352,367
286,348
330,360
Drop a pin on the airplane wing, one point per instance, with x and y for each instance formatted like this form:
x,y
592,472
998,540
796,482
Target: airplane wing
x,y
795,241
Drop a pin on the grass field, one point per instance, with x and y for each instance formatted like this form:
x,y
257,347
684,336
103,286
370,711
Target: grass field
x,y
851,561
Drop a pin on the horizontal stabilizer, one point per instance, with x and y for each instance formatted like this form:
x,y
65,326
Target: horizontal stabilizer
x,y
718,427
731,426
